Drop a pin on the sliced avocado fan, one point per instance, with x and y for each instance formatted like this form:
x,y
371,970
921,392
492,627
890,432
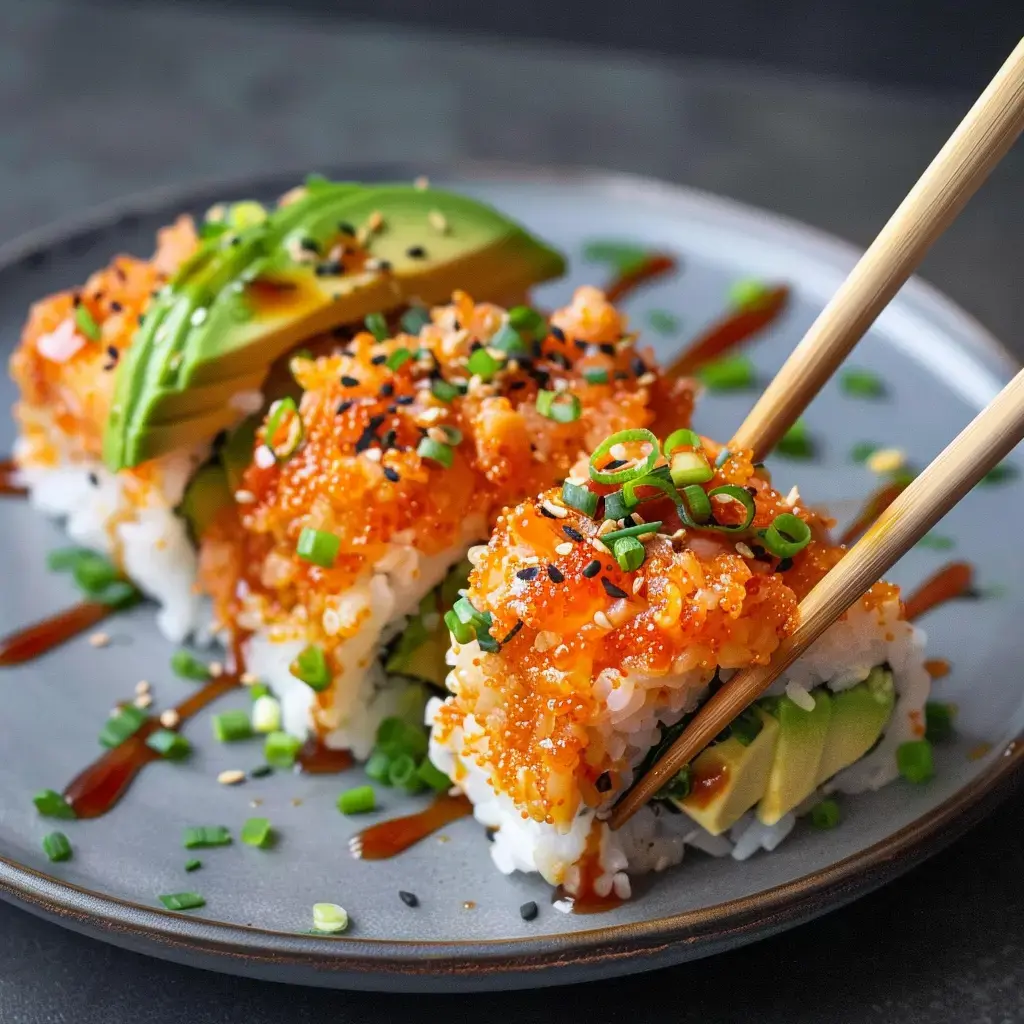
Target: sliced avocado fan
x,y
248,296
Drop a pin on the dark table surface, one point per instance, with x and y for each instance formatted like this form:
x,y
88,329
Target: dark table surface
x,y
101,99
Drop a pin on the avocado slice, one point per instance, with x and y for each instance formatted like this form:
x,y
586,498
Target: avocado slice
x,y
859,715
794,771
248,296
207,493
718,805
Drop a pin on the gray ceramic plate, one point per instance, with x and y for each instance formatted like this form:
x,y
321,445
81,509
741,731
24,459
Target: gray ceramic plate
x,y
467,932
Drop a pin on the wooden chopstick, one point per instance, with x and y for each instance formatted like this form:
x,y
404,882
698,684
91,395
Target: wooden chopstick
x,y
989,437
979,142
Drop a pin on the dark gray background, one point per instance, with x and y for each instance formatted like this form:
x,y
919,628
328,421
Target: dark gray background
x,y
100,99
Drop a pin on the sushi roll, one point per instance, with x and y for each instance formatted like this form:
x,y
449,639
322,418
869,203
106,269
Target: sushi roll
x,y
345,542
136,388
593,628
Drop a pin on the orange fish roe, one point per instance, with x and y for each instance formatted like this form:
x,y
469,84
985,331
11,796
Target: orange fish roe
x,y
585,640
65,377
366,409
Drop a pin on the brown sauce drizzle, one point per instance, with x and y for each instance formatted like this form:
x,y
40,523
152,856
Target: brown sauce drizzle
x,y
585,900
316,758
708,783
9,486
389,838
876,503
726,335
41,637
278,296
658,264
950,582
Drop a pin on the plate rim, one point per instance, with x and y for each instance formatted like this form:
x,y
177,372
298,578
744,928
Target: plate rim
x,y
528,960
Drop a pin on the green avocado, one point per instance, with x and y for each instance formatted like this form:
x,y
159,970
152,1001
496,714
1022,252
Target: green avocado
x,y
794,769
248,296
207,493
859,715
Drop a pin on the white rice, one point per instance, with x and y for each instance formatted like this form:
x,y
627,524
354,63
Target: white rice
x,y
653,840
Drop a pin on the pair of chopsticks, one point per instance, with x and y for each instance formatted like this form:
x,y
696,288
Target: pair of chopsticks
x,y
972,151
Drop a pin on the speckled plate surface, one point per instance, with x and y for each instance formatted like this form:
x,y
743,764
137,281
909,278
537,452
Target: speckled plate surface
x,y
940,368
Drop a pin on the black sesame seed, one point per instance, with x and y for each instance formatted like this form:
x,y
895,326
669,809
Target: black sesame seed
x,y
537,348
475,344
383,264
592,569
529,573
573,534
603,783
608,350
785,565
329,268
581,345
113,352
94,480
345,228
752,491
410,899
517,385
309,244
349,382
392,409
621,375
416,252
557,332
261,771
388,440
406,399
529,911
142,319
456,326
343,407
489,834
555,574
115,306
512,632
386,390
375,422
610,589
392,474
638,366
77,299
614,464
379,360
544,512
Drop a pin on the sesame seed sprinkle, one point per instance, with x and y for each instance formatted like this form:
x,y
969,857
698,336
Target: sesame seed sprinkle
x,y
99,639
170,719
592,569
437,220
555,574
573,534
231,777
602,620
611,589
556,511
564,548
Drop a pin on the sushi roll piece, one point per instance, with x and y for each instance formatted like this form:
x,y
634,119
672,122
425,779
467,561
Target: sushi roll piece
x,y
345,543
587,639
129,384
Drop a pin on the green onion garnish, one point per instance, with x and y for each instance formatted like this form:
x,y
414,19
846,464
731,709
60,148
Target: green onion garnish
x,y
395,736
623,257
65,559
258,690
936,542
377,326
402,773
482,364
508,339
398,358
999,474
432,776
193,864
199,837
915,761
86,324
56,844
796,443
938,721
787,535
50,804
746,727
94,573
663,321
266,714
443,391
246,214
318,546
580,498
329,918
560,406
467,624
377,766
862,451
825,814
230,726
679,786
861,384
615,506
461,631
280,749
690,468
257,832
748,293
284,412
125,722
182,901
730,373
186,666
523,318
697,502
311,667
436,451
414,319
682,438
634,472
609,539
170,745
358,800
595,376
738,494
629,553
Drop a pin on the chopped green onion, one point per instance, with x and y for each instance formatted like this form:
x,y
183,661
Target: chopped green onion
x,y
94,573
915,761
690,468
595,375
623,257
266,714
318,546
679,786
580,498
622,476
443,391
730,373
193,864
938,721
377,326
508,339
432,776
258,690
862,451
746,727
65,559
119,594
125,722
395,737
229,726
698,503
629,553
329,918
398,358
199,837
377,767
280,749
463,632
186,666
663,321
246,214
311,667
358,800
50,804
787,535
402,773
284,412
682,438
257,832
523,318
796,443
861,384
748,293
453,434
936,542
436,451
414,319
560,406
738,494
168,744
659,480
482,364
609,539
999,474
182,901
825,814
86,324
615,506
56,845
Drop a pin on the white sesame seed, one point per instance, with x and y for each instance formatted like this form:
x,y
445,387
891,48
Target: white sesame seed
x,y
375,221
231,777
598,546
422,183
556,510
645,537
373,454
437,220
602,620
216,669
257,802
722,499
264,457
432,415
606,527
143,700
886,460
142,686
244,497
646,379
617,451
638,584
99,639
793,497
170,719
744,549
545,640
438,435
680,534
248,678
564,549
